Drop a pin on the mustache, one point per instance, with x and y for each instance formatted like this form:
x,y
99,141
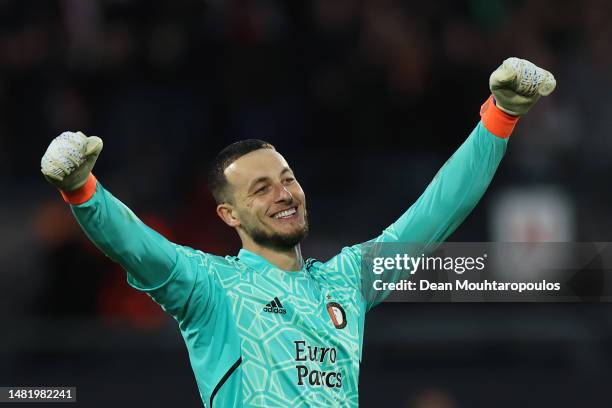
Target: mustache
x,y
279,241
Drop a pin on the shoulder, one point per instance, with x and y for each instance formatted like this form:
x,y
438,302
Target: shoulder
x,y
215,264
349,257
341,267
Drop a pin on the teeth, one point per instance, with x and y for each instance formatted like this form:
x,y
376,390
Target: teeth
x,y
285,213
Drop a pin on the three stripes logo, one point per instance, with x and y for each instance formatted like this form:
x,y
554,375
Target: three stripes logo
x,y
275,306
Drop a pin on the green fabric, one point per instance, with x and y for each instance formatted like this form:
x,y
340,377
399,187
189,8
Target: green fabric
x,y
275,325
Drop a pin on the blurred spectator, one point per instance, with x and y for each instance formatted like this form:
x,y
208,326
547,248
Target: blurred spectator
x,y
167,85
432,398
357,95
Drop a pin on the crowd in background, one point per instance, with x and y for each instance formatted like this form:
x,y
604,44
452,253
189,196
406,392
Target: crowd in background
x,y
365,98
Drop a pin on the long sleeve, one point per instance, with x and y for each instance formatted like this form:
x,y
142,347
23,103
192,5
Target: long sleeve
x,y
459,184
446,202
452,194
148,257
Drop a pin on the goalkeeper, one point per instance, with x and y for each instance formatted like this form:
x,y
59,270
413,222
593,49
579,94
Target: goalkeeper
x,y
266,328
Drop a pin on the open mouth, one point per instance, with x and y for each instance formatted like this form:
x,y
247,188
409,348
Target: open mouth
x,y
284,214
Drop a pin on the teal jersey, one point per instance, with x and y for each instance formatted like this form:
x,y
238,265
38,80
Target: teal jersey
x,y
259,336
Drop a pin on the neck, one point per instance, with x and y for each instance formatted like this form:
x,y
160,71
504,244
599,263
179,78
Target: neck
x,y
289,260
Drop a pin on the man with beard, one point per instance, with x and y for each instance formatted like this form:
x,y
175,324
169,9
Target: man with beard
x,y
266,328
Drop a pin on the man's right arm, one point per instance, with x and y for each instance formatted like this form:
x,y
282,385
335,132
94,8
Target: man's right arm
x,y
147,256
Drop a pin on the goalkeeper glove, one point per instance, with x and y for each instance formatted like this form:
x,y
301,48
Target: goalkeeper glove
x,y
69,159
518,84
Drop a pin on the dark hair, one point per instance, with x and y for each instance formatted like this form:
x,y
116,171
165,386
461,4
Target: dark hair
x,y
216,176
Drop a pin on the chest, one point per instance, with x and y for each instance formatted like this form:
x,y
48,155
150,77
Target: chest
x,y
284,315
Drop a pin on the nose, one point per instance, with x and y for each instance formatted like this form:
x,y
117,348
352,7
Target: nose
x,y
284,195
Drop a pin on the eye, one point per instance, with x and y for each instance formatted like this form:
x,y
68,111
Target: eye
x,y
261,189
289,180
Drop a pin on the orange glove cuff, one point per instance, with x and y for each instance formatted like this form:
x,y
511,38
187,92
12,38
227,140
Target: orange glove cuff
x,y
496,120
81,194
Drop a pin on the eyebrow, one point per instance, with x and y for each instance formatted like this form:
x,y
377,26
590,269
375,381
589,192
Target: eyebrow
x,y
266,178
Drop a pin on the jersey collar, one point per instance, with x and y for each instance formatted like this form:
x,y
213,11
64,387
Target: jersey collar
x,y
260,263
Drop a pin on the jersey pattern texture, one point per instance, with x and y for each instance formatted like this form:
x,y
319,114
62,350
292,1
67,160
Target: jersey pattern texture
x,y
258,336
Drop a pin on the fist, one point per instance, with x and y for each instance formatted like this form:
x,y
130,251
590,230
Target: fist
x,y
518,84
69,160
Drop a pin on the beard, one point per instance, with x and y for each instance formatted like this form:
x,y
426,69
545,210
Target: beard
x,y
275,240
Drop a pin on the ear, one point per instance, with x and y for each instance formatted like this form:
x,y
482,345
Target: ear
x,y
228,214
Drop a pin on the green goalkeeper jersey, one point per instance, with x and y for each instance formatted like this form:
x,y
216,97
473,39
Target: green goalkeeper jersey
x,y
259,336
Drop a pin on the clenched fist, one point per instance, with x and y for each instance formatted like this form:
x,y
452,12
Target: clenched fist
x,y
69,159
518,84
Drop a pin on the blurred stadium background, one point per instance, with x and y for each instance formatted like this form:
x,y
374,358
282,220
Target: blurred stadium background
x,y
356,95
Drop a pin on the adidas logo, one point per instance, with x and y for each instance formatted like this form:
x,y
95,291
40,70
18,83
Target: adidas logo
x,y
275,306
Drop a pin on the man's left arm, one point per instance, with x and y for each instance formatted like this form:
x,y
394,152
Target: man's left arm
x,y
458,186
454,192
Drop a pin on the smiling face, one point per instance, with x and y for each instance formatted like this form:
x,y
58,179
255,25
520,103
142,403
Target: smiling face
x,y
268,204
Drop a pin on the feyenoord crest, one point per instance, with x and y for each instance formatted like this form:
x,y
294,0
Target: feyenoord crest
x,y
337,315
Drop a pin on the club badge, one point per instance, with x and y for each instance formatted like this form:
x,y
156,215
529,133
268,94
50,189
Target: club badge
x,y
337,315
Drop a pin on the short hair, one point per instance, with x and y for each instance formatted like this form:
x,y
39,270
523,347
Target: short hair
x,y
217,182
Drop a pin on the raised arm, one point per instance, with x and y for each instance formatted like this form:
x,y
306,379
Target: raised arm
x,y
454,192
458,186
446,202
147,256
